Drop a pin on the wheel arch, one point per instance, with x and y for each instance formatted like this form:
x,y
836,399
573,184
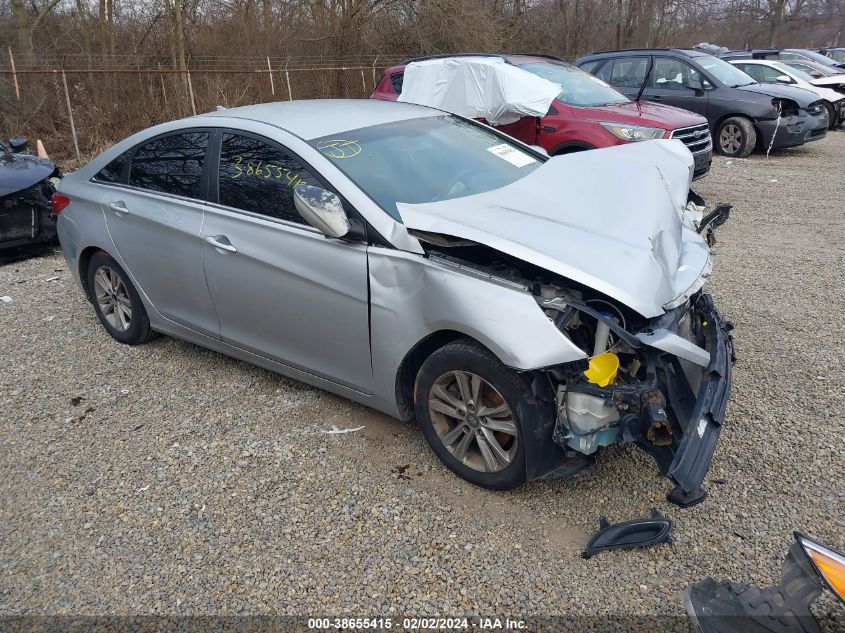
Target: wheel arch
x,y
410,366
570,147
84,261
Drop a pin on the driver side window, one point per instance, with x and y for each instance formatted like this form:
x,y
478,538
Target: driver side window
x,y
673,74
259,177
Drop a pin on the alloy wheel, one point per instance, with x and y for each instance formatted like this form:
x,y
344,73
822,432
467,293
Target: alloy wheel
x,y
730,139
473,421
113,298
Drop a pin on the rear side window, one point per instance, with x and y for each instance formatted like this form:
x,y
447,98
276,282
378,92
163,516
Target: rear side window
x,y
259,177
589,67
114,171
171,164
396,80
625,72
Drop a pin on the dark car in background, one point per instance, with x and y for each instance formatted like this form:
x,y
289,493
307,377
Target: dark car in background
x,y
26,185
742,113
588,114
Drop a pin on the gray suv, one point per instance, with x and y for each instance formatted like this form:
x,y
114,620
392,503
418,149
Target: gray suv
x,y
742,113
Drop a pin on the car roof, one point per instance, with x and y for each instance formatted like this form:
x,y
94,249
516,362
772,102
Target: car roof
x,y
687,52
512,58
313,118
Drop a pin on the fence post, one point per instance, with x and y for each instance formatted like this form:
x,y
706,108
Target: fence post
x,y
270,69
287,78
14,75
363,83
163,89
191,93
70,116
375,61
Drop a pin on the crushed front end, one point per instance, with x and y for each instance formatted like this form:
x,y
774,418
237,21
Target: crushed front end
x,y
661,383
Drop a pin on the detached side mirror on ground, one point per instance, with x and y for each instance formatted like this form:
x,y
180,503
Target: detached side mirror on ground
x,y
322,209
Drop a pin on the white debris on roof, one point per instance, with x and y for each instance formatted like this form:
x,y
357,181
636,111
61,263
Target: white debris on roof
x,y
478,87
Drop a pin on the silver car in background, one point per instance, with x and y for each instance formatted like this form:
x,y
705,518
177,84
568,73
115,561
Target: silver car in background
x,y
525,310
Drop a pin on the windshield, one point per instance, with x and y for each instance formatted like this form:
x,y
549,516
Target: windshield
x,y
577,87
426,160
811,67
816,57
724,72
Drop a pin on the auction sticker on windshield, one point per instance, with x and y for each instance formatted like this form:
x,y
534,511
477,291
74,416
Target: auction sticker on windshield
x,y
512,155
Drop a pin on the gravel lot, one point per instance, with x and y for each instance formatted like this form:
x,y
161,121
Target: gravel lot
x,y
168,479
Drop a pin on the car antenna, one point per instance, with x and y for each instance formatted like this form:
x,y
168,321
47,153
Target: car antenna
x,y
645,79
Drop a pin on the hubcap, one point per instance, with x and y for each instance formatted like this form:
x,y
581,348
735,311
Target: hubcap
x,y
730,139
113,298
473,421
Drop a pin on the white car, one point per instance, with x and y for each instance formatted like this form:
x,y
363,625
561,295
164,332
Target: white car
x,y
770,71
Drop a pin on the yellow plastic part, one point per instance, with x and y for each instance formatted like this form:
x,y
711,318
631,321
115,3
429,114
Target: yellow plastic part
x,y
603,368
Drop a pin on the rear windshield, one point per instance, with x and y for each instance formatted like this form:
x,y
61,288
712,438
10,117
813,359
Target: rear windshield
x,y
426,160
577,87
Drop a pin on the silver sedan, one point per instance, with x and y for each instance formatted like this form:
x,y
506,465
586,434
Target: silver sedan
x,y
526,311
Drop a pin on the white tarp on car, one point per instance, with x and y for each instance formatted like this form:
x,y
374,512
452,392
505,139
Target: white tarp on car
x,y
478,87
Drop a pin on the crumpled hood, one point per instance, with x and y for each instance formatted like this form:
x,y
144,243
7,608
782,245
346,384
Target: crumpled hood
x,y
611,219
801,96
21,171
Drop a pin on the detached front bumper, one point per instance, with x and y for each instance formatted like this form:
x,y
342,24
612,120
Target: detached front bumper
x,y
702,426
676,411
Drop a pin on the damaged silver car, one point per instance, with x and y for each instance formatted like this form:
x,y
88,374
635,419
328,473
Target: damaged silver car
x,y
526,311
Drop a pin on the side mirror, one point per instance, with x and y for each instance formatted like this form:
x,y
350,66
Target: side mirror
x,y
321,209
19,145
784,79
695,84
816,74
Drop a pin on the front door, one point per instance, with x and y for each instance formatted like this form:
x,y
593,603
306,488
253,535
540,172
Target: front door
x,y
670,84
280,288
154,219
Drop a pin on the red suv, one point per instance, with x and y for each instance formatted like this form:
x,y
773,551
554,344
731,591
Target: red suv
x,y
587,113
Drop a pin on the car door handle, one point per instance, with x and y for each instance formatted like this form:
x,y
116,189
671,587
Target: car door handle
x,y
222,242
119,207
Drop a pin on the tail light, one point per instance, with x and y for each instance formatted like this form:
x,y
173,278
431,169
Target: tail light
x,y
59,203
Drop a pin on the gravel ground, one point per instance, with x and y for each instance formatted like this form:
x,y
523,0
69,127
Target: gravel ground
x,y
168,479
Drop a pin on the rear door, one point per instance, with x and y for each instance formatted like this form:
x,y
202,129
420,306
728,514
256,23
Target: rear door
x,y
281,289
154,212
669,83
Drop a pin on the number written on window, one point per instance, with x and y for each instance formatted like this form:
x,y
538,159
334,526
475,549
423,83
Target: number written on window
x,y
259,177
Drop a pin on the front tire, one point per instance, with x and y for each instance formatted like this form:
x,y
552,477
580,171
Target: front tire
x,y
736,137
832,120
116,301
467,404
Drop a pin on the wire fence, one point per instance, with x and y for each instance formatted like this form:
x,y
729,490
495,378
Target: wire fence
x,y
78,105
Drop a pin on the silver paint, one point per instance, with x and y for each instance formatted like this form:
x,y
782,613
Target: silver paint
x,y
342,315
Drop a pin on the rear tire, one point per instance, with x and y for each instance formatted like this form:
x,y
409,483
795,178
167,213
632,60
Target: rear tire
x,y
482,440
116,301
736,137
